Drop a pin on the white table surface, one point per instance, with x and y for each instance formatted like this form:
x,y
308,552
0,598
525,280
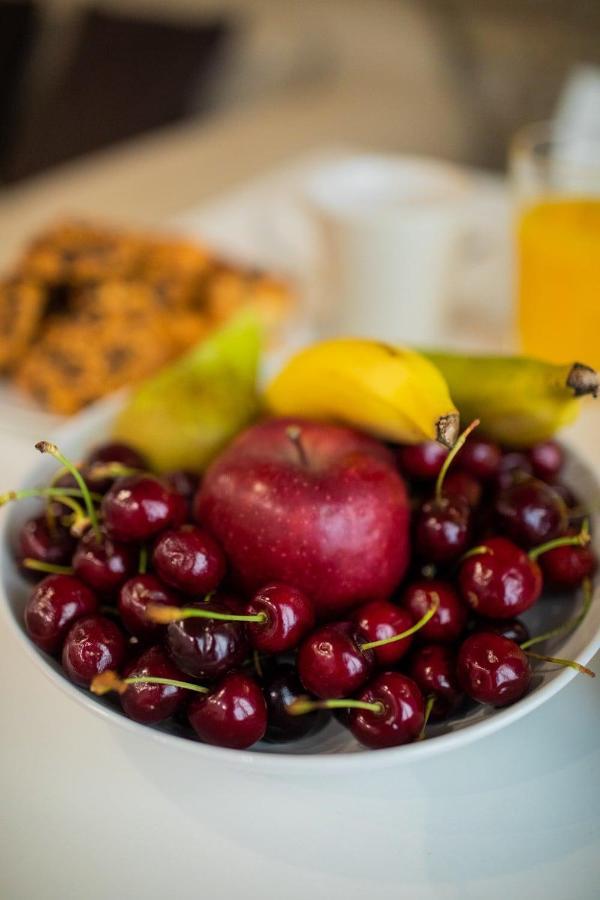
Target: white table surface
x,y
91,812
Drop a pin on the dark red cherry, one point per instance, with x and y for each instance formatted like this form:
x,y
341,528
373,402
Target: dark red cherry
x,y
234,714
186,484
514,467
450,619
513,629
422,461
433,669
501,582
331,662
442,529
402,712
531,513
462,486
479,457
152,703
92,645
566,567
37,541
55,603
493,669
281,687
547,459
102,563
189,559
290,616
113,452
379,620
134,598
207,648
138,507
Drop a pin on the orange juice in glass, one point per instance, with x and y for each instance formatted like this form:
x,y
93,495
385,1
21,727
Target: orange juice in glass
x,y
557,184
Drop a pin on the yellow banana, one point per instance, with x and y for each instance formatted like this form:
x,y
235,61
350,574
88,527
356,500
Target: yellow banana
x,y
519,400
391,392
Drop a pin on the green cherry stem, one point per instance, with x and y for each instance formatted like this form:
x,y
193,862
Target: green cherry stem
x,y
371,645
475,551
110,681
143,560
565,663
49,492
165,614
428,707
111,470
573,540
566,626
451,456
52,449
257,664
37,565
303,705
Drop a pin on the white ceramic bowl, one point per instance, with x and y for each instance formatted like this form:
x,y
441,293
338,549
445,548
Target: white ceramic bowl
x,y
334,749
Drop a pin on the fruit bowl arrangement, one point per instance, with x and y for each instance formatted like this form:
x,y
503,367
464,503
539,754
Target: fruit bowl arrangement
x,y
348,573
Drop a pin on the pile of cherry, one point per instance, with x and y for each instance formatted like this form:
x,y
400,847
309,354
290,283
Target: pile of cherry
x,y
133,596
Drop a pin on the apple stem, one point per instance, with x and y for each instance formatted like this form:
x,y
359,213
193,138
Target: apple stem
x,y
303,705
428,707
451,456
371,645
52,449
294,433
164,614
37,565
565,663
143,560
566,626
110,681
574,540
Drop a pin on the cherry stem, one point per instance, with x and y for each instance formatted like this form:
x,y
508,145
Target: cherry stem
x,y
143,561
566,626
428,707
294,433
303,705
371,645
451,456
37,565
475,551
566,663
111,470
52,449
155,612
574,540
257,664
110,681
26,493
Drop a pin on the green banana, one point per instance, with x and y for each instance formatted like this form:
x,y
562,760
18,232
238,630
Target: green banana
x,y
519,400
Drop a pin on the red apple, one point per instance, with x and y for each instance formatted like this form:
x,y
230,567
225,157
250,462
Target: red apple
x,y
317,506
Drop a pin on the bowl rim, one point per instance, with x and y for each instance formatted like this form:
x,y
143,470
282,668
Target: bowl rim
x,y
288,762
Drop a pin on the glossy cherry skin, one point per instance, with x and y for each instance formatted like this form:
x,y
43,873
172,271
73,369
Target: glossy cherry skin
x,y
513,629
480,458
280,688
233,715
138,507
492,669
462,486
433,668
113,452
422,461
207,648
185,484
36,541
102,563
134,598
152,703
514,467
547,459
403,715
381,619
442,530
567,566
531,513
92,645
501,582
189,559
55,603
449,620
290,616
331,663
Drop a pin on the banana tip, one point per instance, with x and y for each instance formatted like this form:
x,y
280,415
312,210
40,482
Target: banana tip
x,y
446,429
583,380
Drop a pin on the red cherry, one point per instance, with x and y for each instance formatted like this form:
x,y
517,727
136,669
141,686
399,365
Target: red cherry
x,y
461,486
450,618
290,615
92,646
401,715
136,595
207,648
422,461
514,467
442,530
500,582
331,662
138,507
55,603
433,668
189,559
152,703
113,452
492,669
513,629
102,563
37,541
233,715
480,458
547,459
567,567
281,688
531,513
379,620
